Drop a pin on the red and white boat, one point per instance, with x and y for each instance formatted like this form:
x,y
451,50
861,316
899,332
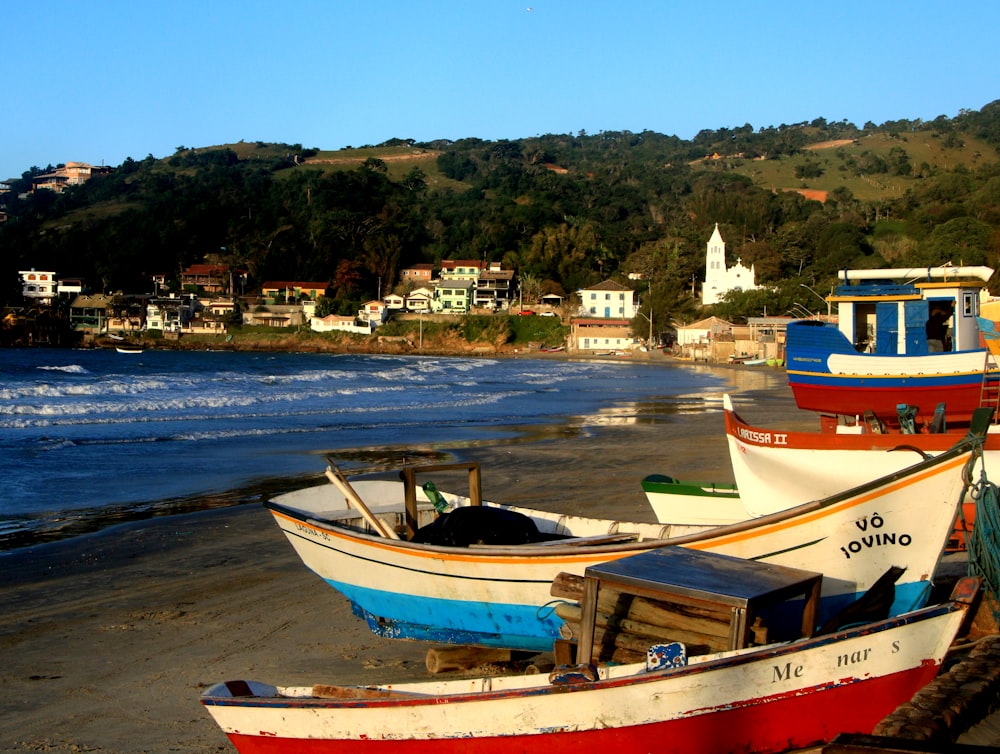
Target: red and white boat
x,y
775,470
770,698
878,355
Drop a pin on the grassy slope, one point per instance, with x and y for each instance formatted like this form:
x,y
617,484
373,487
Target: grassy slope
x,y
776,174
921,147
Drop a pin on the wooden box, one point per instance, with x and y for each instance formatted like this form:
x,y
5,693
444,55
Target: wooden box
x,y
710,602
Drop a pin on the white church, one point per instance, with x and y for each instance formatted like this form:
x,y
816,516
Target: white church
x,y
718,278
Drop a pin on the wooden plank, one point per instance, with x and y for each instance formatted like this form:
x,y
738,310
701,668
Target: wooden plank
x,y
441,659
595,539
665,615
339,481
327,691
568,586
410,501
638,636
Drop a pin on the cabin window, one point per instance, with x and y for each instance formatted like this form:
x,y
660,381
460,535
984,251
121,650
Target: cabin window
x,y
969,305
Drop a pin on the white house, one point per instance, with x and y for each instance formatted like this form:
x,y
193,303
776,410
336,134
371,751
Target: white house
x,y
38,286
706,339
719,279
419,300
339,322
702,331
170,314
601,334
608,300
373,312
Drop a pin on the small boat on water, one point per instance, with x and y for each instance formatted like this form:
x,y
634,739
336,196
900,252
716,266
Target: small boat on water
x,y
878,355
128,349
481,574
770,698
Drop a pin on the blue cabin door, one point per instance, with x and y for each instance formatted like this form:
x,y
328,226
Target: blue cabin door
x,y
915,315
887,328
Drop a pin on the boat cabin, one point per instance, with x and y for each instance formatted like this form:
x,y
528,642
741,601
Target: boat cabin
x,y
887,311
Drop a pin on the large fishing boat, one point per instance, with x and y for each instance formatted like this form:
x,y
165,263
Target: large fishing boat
x,y
879,354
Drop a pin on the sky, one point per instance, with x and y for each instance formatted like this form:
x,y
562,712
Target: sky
x,y
99,81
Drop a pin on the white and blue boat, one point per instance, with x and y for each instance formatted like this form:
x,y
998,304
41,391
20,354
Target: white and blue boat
x,y
877,357
369,542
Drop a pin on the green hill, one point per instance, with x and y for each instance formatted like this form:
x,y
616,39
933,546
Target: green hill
x,y
798,201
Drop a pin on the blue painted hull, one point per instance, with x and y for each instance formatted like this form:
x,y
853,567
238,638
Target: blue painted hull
x,y
828,376
530,628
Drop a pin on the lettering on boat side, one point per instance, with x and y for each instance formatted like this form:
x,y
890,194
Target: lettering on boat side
x,y
311,532
873,538
762,438
788,671
853,658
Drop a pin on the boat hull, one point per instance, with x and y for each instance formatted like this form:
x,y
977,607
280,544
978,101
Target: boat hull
x,y
775,469
500,596
696,503
827,376
853,395
763,700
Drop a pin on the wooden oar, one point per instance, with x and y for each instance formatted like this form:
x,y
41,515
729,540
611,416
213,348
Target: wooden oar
x,y
339,481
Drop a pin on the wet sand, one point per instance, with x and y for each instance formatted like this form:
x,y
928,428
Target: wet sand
x,y
107,640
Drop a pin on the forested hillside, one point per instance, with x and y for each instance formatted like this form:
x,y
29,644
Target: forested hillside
x,y
564,211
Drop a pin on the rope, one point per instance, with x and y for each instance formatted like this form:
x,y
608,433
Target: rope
x,y
984,541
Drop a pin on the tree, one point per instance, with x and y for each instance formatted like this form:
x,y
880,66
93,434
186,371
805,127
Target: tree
x,y
381,258
964,240
530,288
324,306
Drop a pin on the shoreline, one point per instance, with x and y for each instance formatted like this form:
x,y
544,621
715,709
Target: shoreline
x,y
85,520
109,638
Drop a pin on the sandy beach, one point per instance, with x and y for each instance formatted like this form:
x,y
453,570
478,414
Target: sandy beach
x,y
108,640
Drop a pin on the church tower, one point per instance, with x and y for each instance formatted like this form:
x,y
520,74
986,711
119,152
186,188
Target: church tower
x,y
715,269
720,279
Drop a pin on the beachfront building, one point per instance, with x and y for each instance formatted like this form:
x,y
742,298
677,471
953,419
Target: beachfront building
x,y
608,300
89,314
494,288
419,300
373,312
275,315
709,339
394,302
719,278
601,335
127,312
37,286
170,313
453,296
342,323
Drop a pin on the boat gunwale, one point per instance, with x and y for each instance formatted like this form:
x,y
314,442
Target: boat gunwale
x,y
713,534
749,655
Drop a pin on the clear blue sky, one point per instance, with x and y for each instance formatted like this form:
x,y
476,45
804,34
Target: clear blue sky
x,y
101,80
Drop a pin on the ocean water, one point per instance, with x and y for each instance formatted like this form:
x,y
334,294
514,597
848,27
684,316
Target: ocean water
x,y
93,437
